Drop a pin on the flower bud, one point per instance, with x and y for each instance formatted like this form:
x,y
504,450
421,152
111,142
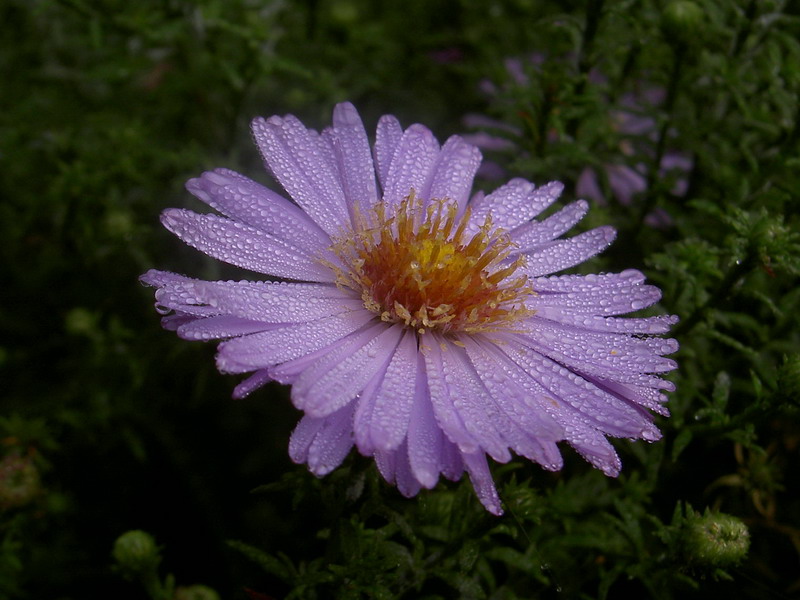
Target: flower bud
x,y
195,592
682,21
19,481
715,540
136,554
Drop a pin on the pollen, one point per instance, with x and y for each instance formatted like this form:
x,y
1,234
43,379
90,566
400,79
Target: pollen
x,y
416,265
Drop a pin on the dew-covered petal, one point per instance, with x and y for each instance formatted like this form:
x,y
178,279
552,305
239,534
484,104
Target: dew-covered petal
x,y
482,481
251,384
513,204
443,407
531,234
342,374
425,439
251,203
453,174
535,431
387,138
301,165
302,436
593,446
401,384
404,477
563,254
385,461
263,301
606,294
452,463
646,396
275,346
646,325
481,417
244,246
411,165
323,442
223,326
353,157
605,411
618,352
332,442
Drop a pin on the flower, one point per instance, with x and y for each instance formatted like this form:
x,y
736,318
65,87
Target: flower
x,y
417,323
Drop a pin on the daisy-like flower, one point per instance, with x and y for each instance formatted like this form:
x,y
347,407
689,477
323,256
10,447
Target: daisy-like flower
x,y
412,320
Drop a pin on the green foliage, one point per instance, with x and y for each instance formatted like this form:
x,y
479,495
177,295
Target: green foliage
x,y
110,424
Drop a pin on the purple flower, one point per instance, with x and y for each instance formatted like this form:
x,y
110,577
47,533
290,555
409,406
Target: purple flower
x,y
418,323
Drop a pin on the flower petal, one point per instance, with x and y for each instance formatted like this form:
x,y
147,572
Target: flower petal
x,y
276,346
342,374
387,139
482,481
263,301
453,174
401,384
411,165
301,164
513,204
531,234
353,157
563,254
244,200
244,246
605,294
425,440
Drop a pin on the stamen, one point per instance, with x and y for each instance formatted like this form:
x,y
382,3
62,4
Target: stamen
x,y
426,275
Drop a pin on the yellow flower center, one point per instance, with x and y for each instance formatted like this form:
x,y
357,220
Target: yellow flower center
x,y
416,267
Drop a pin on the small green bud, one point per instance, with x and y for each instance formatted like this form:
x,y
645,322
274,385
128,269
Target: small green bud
x,y
715,540
19,481
682,21
136,554
195,592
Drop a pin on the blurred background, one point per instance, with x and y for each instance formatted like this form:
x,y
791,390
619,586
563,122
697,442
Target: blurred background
x,y
678,120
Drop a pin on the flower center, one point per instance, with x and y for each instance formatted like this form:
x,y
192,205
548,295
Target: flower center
x,y
416,267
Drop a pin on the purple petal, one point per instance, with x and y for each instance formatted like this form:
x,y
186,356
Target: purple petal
x,y
353,157
411,165
482,481
251,384
647,325
534,233
403,475
324,442
387,139
268,348
220,327
563,254
537,431
300,163
456,168
244,200
469,398
263,301
513,204
342,374
425,441
402,383
244,246
607,294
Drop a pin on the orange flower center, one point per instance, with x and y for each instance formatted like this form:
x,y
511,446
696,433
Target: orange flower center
x,y
416,267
